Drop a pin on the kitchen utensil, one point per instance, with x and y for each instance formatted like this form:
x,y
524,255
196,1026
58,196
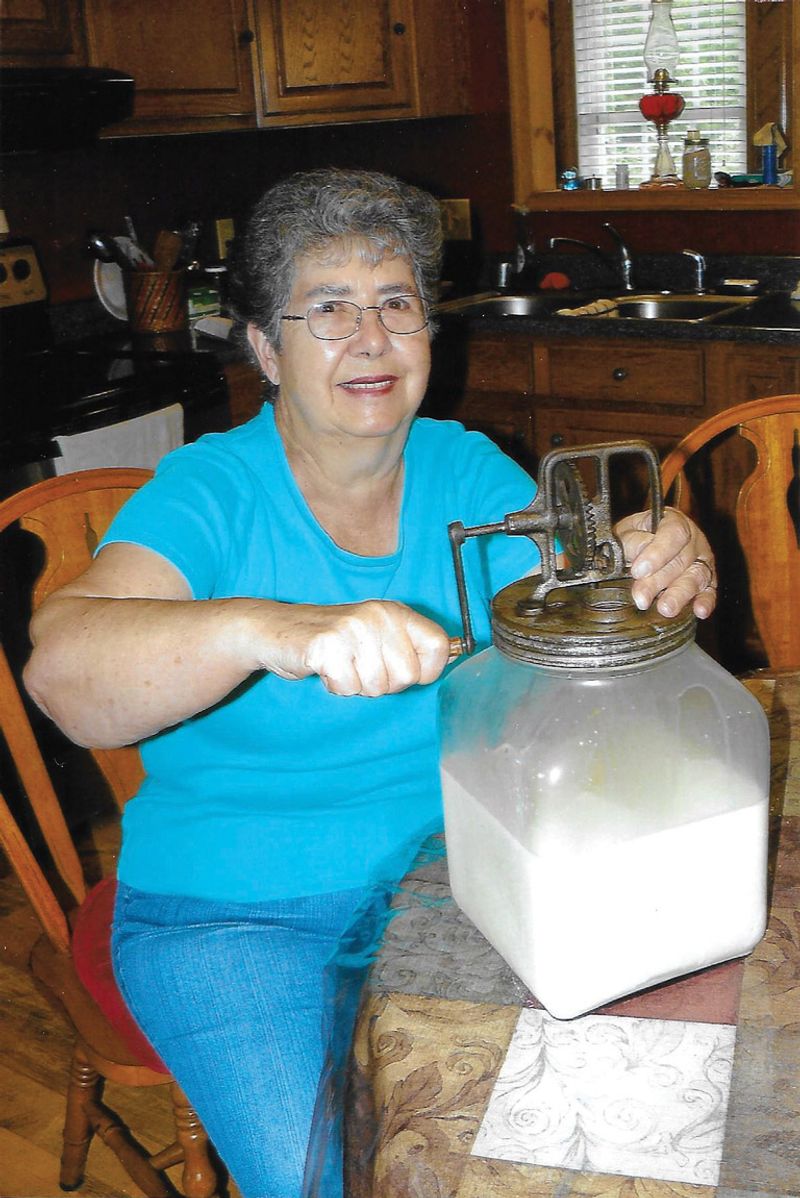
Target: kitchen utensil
x,y
167,249
189,235
108,249
108,278
138,256
605,782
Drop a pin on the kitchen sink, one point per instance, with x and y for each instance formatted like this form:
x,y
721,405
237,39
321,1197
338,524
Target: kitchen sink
x,y
655,306
679,307
480,306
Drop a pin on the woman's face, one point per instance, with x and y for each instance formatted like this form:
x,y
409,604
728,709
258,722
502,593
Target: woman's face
x,y
367,385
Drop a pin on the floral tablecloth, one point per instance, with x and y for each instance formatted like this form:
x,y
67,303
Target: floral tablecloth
x,y
461,1086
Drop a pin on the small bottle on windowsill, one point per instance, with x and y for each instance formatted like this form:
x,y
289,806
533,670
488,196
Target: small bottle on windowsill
x,y
696,161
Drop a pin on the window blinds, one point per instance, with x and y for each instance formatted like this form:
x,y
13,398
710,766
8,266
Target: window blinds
x,y
611,77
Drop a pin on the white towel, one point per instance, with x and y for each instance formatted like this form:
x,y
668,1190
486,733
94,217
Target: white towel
x,y
142,442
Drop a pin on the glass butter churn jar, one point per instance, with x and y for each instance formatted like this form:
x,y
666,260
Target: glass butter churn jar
x,y
696,160
605,781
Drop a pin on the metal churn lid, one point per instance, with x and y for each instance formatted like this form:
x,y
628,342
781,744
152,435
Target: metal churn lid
x,y
578,612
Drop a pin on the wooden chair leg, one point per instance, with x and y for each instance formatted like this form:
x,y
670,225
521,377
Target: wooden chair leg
x,y
85,1117
199,1178
83,1092
133,1159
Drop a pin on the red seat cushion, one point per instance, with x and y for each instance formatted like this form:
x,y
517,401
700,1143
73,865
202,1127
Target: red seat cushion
x,y
91,954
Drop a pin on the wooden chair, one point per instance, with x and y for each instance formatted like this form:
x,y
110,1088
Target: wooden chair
x,y
765,513
71,961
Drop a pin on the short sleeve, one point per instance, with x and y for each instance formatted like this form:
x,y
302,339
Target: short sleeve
x,y
188,514
495,485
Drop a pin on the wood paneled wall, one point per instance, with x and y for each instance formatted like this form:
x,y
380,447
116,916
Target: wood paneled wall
x,y
164,181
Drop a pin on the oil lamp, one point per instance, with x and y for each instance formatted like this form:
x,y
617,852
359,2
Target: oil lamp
x,y
661,53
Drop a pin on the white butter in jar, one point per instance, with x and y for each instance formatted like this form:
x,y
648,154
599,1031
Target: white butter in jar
x,y
606,829
583,927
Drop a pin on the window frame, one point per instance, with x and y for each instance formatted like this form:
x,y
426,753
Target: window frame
x,y
540,123
608,90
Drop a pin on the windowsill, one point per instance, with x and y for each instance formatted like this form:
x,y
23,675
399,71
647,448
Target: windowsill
x,y
734,199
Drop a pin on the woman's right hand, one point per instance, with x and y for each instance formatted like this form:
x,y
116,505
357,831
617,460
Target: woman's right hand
x,y
373,648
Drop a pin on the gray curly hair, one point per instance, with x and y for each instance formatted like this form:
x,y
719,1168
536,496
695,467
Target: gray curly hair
x,y
322,213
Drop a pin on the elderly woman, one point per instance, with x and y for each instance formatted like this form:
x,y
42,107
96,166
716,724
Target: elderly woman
x,y
269,618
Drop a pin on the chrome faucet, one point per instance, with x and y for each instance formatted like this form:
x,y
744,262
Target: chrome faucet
x,y
699,270
624,258
524,261
621,265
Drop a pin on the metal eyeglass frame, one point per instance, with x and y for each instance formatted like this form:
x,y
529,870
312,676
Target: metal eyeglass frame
x,y
379,308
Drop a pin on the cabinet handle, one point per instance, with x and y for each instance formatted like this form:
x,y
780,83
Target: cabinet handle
x,y
619,374
246,37
557,439
399,28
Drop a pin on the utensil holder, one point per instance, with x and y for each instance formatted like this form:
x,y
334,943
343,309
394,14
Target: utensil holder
x,y
156,300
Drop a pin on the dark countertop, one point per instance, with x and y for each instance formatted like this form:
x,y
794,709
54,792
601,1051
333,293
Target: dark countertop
x,y
85,324
772,319
120,341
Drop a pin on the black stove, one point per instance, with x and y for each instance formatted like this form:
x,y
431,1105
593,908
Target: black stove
x,y
85,385
52,388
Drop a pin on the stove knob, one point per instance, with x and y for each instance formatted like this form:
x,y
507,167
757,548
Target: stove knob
x,y
3,273
21,269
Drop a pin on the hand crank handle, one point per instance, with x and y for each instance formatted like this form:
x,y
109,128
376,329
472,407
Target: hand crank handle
x,y
457,648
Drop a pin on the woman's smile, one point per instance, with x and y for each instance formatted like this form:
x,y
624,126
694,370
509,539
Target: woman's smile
x,y
371,384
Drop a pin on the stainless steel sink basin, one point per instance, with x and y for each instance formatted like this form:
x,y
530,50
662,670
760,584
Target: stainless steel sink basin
x,y
655,306
478,306
679,307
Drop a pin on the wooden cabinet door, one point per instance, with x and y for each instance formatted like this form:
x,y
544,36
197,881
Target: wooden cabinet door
x,y
486,383
499,364
555,428
738,373
40,33
192,63
503,418
335,58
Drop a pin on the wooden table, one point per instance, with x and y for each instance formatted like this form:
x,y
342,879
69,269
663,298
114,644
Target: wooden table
x,y
460,1086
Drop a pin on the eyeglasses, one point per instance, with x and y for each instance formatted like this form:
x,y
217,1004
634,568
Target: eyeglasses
x,y
334,320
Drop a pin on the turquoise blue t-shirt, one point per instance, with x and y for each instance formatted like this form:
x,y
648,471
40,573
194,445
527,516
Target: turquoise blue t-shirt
x,y
283,789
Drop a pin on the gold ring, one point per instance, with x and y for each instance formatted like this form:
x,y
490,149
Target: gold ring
x,y
711,585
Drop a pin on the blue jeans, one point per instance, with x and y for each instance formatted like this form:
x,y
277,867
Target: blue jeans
x,y
231,997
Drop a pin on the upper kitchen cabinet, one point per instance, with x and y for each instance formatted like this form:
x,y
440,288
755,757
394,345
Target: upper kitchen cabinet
x,y
192,62
335,60
45,33
239,64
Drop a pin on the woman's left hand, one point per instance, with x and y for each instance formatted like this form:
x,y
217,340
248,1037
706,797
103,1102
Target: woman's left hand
x,y
673,566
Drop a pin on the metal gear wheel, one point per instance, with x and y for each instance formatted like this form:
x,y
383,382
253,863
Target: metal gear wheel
x,y
577,524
